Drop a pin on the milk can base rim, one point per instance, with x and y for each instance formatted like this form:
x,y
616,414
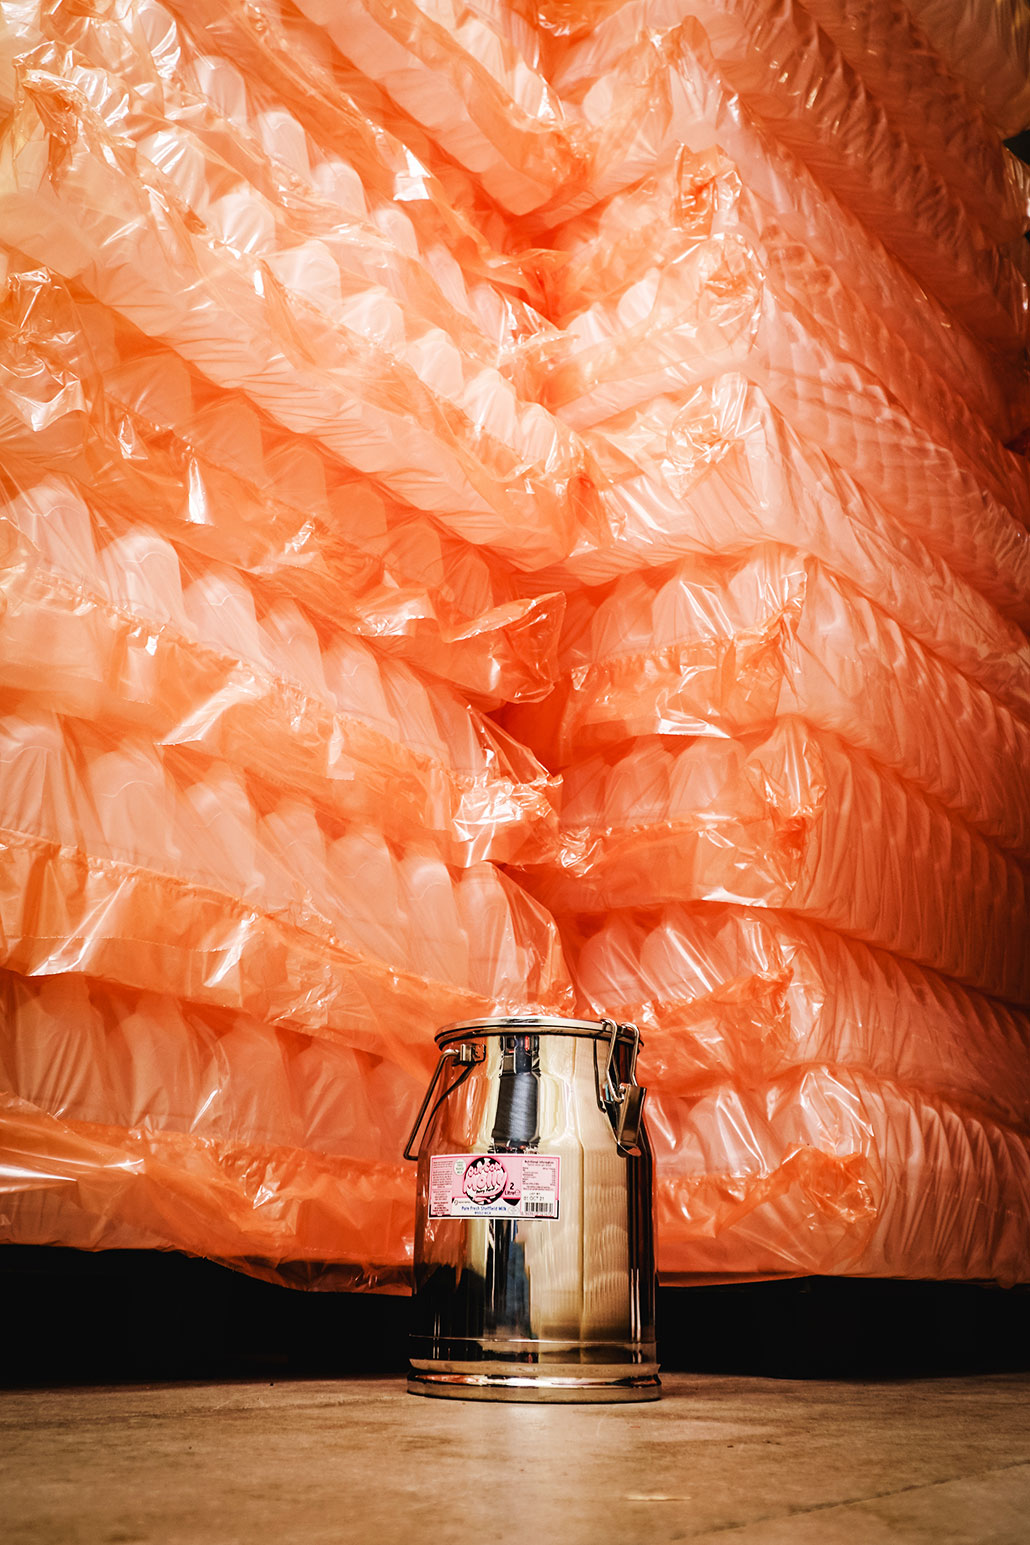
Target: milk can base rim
x,y
550,1388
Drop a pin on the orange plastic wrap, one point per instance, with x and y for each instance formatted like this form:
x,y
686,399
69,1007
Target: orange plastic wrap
x,y
324,350
745,474
986,44
367,204
675,442
138,1121
218,478
135,1121
713,310
791,77
830,1171
724,646
656,142
793,820
155,869
613,264
345,350
909,76
103,621
733,994
468,84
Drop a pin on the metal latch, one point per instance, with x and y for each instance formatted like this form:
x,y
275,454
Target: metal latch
x,y
624,1101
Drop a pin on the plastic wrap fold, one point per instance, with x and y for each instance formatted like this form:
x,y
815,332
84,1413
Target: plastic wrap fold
x,y
724,646
87,395
831,1171
148,868
745,473
696,158
453,69
986,44
138,1121
102,621
908,70
792,78
713,310
727,994
793,820
323,350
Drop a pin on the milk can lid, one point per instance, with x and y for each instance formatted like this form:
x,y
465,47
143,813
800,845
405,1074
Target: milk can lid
x,y
549,1024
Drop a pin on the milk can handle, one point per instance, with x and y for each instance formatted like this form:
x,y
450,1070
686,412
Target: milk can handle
x,y
467,1054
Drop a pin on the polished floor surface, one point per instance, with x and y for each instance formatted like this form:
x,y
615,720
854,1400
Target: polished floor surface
x,y
722,1459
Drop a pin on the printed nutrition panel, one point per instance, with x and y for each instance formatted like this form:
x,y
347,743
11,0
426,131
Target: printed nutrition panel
x,y
494,1185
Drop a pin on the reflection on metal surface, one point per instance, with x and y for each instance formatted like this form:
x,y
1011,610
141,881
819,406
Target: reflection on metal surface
x,y
536,1308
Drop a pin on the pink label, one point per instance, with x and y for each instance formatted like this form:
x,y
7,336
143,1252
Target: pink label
x,y
493,1185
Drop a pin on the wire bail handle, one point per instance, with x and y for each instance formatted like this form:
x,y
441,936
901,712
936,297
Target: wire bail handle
x,y
467,1054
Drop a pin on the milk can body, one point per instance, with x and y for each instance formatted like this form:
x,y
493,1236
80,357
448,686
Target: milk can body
x,y
534,1253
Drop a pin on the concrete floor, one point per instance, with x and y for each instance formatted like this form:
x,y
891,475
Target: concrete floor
x,y
734,1460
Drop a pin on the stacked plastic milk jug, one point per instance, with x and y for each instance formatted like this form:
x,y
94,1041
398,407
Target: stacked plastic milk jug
x,y
507,508
254,810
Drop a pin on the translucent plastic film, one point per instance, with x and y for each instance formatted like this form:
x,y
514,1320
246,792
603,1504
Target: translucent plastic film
x,y
832,1171
154,869
140,1121
90,397
793,820
790,76
727,645
454,70
746,473
986,44
908,68
104,621
506,508
714,309
727,994
323,352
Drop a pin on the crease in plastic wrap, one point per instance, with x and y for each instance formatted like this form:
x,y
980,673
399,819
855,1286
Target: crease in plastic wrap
x,y
508,508
132,427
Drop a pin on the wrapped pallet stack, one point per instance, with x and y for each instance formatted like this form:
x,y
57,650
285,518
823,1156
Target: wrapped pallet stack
x,y
791,714
507,508
254,827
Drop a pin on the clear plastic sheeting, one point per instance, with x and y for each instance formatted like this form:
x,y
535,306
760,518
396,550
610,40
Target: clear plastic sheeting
x,y
507,508
789,75
139,1121
453,69
102,620
323,352
138,429
729,994
817,257
725,646
830,1171
140,865
986,44
888,48
793,820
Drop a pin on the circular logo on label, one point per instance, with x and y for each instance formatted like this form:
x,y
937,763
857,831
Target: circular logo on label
x,y
485,1180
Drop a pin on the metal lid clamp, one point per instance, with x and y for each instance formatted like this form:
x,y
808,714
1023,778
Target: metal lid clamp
x,y
623,1101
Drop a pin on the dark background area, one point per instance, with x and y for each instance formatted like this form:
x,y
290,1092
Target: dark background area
x,y
147,1316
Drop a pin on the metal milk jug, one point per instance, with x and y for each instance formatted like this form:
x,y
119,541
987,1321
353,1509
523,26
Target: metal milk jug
x,y
534,1243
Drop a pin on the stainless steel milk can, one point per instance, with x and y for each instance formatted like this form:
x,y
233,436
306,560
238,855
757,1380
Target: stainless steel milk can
x,y
534,1246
